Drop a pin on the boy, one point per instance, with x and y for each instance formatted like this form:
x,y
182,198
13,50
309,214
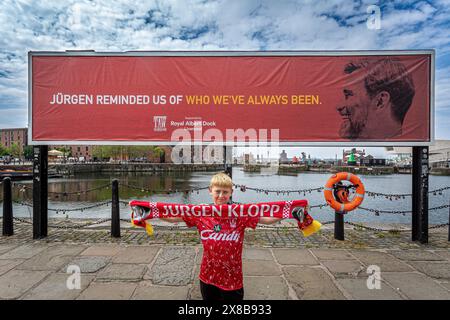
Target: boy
x,y
221,268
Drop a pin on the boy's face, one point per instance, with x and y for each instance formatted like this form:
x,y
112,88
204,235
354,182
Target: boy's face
x,y
220,195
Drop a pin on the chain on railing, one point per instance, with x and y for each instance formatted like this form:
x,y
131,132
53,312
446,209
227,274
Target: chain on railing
x,y
169,191
80,226
24,187
64,210
391,230
242,188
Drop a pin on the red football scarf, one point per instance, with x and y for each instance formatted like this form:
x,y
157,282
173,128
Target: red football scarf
x,y
294,209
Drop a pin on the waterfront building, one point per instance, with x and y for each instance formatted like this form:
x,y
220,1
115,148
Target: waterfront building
x,y
357,154
371,161
401,156
10,136
440,154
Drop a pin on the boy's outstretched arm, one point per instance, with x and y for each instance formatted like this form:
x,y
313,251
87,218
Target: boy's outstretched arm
x,y
268,220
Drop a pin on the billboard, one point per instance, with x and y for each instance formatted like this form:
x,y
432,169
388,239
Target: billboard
x,y
240,98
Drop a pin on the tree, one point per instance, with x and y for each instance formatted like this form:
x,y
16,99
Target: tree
x,y
15,150
28,152
158,151
3,151
66,150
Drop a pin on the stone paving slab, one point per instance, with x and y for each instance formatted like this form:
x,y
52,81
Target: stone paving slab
x,y
446,285
44,262
258,268
99,250
415,255
194,292
257,254
344,268
312,283
6,265
108,291
137,254
295,256
88,264
443,253
64,250
6,247
386,262
55,288
16,282
199,257
416,286
147,291
173,266
439,270
122,271
265,288
332,254
358,289
23,252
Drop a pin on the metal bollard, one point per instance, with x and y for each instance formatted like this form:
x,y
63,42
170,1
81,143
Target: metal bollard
x,y
8,227
115,211
449,222
338,221
339,225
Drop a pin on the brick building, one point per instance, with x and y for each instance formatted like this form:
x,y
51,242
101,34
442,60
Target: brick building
x,y
14,135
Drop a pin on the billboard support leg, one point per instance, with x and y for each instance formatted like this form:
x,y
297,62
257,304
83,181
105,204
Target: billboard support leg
x,y
420,174
228,162
40,191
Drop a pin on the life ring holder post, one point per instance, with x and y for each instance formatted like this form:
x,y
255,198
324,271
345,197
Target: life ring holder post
x,y
339,220
336,195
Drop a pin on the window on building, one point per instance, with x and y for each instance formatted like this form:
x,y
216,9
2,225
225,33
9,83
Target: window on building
x,y
78,149
87,148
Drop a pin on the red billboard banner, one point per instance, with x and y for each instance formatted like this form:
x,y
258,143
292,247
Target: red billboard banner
x,y
335,99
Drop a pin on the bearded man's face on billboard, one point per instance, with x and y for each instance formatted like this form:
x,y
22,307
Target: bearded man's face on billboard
x,y
354,110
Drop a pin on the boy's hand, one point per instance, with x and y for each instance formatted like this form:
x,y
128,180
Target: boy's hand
x,y
298,214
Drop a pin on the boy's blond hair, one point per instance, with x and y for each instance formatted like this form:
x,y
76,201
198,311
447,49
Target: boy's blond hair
x,y
221,180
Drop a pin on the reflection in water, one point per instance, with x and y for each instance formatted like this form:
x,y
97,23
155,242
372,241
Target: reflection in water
x,y
158,182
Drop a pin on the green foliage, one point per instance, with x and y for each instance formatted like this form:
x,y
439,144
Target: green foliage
x,y
126,152
3,151
15,150
66,150
28,152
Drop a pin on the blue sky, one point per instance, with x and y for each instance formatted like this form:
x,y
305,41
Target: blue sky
x,y
217,25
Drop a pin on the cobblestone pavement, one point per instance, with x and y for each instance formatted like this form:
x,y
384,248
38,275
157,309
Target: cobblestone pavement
x,y
277,264
286,236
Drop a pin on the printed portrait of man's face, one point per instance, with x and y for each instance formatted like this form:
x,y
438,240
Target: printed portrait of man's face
x,y
354,110
375,99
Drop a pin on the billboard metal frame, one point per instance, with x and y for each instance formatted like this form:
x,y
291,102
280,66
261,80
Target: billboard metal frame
x,y
91,53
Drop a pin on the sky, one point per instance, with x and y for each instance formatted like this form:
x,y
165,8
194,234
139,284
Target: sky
x,y
125,25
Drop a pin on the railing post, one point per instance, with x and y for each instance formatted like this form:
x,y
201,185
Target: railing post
x,y
339,225
8,227
449,222
115,211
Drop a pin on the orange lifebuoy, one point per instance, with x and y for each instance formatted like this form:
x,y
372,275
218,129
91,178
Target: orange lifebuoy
x,y
346,205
